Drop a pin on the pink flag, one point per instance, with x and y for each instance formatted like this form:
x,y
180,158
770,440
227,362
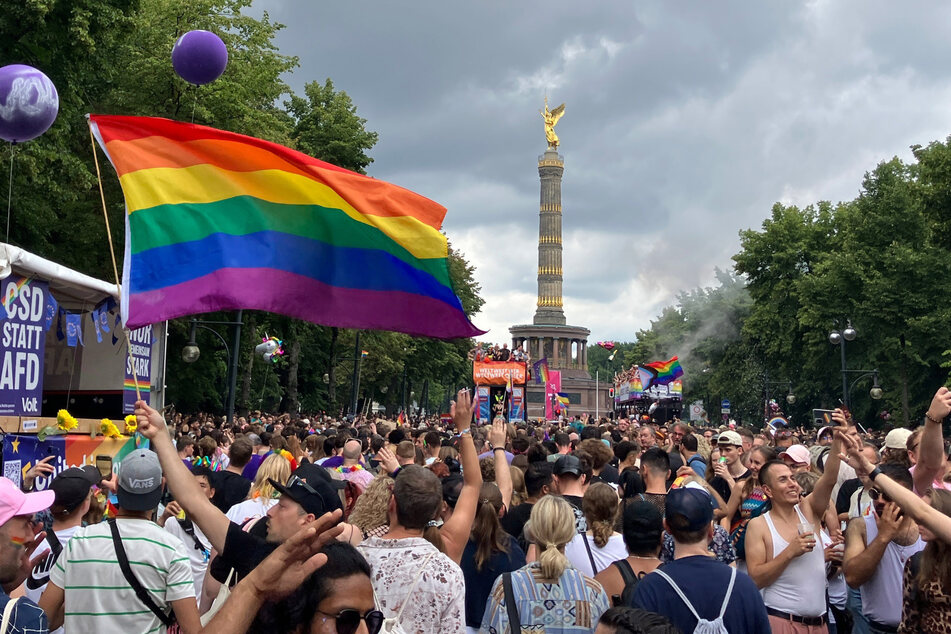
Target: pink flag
x,y
552,387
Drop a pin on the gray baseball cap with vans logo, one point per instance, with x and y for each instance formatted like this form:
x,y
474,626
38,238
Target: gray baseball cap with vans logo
x,y
140,481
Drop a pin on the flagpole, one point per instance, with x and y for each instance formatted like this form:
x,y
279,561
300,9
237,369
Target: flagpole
x,y
597,396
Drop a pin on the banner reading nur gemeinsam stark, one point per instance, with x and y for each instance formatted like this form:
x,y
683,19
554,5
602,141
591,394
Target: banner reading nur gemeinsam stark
x,y
22,342
138,368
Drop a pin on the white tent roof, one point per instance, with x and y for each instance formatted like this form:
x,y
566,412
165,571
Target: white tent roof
x,y
72,288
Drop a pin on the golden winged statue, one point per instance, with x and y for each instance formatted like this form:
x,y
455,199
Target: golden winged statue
x,y
551,120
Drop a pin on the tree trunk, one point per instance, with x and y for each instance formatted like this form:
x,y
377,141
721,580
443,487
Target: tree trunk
x,y
904,384
246,380
293,363
332,371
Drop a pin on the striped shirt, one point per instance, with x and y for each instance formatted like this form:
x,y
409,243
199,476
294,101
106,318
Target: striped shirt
x,y
99,599
573,605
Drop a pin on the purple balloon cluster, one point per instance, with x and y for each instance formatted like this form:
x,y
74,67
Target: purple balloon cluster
x,y
199,57
29,103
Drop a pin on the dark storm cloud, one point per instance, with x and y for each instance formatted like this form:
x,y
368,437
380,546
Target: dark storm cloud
x,y
685,122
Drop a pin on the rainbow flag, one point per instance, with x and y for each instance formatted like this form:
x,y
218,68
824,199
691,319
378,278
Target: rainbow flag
x,y
540,370
218,221
664,371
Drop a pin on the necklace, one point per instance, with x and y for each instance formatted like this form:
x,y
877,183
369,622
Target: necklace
x,y
642,557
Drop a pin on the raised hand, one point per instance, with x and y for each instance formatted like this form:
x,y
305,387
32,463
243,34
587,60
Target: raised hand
x,y
387,460
151,422
940,405
41,468
461,410
889,521
497,434
852,454
294,560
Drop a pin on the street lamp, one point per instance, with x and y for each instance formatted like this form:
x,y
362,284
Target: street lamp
x,y
838,339
191,352
876,392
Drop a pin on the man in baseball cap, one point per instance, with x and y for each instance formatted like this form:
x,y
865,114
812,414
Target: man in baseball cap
x,y
709,587
797,457
729,468
16,534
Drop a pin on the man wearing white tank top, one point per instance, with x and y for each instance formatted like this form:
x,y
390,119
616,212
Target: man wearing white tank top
x,y
781,552
877,546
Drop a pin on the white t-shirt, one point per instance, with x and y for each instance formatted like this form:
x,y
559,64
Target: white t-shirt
x,y
99,599
577,554
249,509
198,557
40,574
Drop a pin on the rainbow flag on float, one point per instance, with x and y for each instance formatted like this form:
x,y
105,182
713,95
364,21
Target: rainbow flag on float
x,y
217,220
664,372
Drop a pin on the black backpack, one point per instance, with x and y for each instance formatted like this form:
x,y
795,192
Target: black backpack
x,y
630,583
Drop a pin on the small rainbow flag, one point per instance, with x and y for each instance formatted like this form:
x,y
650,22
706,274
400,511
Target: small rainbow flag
x,y
8,298
220,221
665,371
540,369
562,398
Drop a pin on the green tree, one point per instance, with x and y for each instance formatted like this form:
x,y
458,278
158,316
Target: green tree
x,y
326,126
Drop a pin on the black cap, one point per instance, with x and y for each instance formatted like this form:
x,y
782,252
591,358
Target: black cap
x,y
72,486
313,488
568,464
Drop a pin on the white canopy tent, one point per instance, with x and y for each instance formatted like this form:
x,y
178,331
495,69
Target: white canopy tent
x,y
100,369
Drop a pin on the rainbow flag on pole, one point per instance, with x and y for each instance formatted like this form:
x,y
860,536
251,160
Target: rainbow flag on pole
x,y
664,371
217,221
540,370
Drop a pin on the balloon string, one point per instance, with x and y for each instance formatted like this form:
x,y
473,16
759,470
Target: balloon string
x,y
13,148
112,252
194,103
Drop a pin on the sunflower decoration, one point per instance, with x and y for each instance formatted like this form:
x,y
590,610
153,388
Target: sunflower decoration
x,y
66,421
109,429
131,424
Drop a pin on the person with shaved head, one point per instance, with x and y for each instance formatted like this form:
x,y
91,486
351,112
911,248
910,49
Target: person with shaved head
x,y
352,469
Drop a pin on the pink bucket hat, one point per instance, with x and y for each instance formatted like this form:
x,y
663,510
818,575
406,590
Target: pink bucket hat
x,y
15,502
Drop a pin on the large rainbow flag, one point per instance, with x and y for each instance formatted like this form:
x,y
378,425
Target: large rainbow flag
x,y
217,220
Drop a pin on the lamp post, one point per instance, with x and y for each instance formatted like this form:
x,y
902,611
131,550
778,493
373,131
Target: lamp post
x,y
876,392
837,338
191,352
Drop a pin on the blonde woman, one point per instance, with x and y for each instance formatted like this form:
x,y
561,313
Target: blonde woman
x,y
370,514
542,588
262,495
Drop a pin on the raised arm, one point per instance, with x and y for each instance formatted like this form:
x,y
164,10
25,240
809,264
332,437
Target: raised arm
x,y
922,512
455,532
818,500
931,444
188,494
503,474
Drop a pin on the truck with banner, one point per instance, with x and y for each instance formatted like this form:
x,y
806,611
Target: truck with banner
x,y
654,390
500,389
62,345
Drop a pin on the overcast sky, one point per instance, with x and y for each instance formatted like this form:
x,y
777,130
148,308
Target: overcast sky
x,y
685,122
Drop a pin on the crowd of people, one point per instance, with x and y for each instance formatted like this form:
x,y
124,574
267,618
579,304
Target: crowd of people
x,y
494,352
281,525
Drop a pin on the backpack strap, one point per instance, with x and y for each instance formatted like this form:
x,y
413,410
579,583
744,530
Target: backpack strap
x,y
627,573
189,527
143,594
729,591
515,624
587,546
679,592
422,569
8,615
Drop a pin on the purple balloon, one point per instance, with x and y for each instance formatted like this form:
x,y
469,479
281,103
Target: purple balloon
x,y
199,57
28,103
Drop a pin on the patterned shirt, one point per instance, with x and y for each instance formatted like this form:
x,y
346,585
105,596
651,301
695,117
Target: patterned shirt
x,y
721,547
572,605
437,603
27,617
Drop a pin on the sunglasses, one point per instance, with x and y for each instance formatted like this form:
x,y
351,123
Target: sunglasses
x,y
877,495
297,481
347,621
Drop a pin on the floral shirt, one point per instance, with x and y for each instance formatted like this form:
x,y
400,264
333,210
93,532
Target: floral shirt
x,y
437,603
721,547
573,605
